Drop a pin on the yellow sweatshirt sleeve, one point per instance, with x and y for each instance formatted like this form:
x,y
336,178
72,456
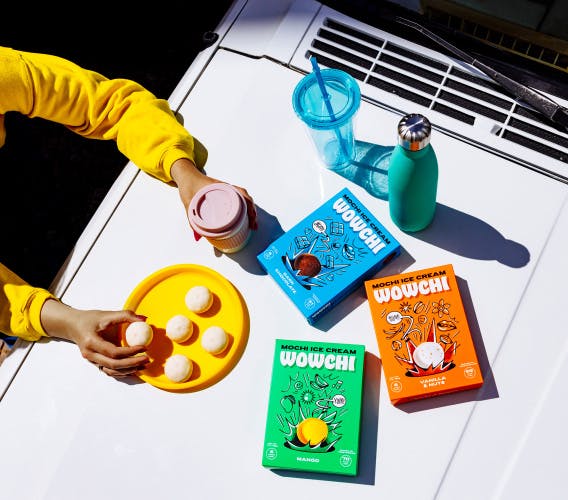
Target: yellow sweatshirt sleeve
x,y
144,127
20,306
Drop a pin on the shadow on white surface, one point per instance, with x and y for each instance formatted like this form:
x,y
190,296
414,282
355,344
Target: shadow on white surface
x,y
451,230
358,297
468,236
269,229
369,169
489,388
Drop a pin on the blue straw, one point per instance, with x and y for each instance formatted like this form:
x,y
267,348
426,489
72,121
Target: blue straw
x,y
321,84
328,106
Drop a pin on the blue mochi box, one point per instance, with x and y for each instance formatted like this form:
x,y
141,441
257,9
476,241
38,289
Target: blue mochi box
x,y
328,254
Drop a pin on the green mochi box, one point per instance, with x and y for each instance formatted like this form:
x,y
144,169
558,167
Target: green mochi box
x,y
314,410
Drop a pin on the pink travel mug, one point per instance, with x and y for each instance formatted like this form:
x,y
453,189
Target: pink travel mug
x,y
218,212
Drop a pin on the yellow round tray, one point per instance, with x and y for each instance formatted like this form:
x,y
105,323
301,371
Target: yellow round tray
x,y
162,295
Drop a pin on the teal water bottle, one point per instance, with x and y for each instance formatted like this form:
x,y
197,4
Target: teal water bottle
x,y
413,175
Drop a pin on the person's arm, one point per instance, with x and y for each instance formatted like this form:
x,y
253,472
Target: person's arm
x,y
97,335
32,313
146,132
20,306
144,127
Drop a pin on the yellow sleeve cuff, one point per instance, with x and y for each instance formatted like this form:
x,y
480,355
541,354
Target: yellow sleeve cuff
x,y
198,156
37,302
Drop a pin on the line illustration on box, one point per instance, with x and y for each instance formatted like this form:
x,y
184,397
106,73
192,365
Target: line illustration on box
x,y
328,254
314,410
422,333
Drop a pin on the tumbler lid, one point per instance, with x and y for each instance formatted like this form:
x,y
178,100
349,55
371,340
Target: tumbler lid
x,y
344,97
414,132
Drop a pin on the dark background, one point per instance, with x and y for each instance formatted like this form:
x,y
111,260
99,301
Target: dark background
x,y
52,179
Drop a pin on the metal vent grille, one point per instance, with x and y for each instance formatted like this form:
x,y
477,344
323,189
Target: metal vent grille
x,y
543,49
445,88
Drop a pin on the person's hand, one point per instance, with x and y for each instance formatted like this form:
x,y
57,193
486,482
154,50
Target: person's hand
x,y
189,179
97,335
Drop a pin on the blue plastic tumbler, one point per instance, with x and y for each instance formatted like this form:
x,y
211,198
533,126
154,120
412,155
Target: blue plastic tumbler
x,y
329,117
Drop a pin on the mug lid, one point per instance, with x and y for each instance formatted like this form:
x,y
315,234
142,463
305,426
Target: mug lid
x,y
215,208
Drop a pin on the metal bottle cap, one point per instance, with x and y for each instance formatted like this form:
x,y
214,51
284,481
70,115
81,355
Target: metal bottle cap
x,y
414,132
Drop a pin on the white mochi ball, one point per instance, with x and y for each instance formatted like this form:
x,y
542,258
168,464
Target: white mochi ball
x,y
198,299
214,339
179,328
178,368
139,333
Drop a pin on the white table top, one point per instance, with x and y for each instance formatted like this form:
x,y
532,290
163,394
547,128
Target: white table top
x,y
69,432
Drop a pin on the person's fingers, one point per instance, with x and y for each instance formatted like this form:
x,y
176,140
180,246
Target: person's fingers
x,y
251,211
113,358
124,316
251,207
196,235
123,365
101,345
109,327
116,373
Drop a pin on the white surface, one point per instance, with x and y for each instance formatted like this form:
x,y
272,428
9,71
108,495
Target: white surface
x,y
71,432
271,28
523,428
11,363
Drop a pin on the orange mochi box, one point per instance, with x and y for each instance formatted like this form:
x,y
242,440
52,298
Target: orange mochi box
x,y
422,333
